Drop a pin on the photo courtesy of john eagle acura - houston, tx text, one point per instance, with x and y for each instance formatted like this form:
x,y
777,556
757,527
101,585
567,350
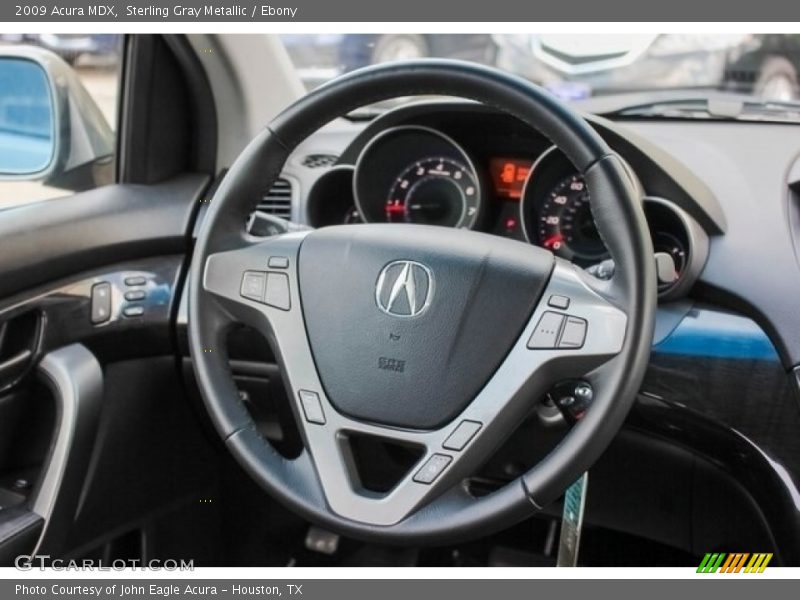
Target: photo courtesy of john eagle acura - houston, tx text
x,y
398,299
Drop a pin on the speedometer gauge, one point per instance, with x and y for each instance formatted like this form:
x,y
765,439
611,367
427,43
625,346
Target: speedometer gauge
x,y
556,210
565,224
436,190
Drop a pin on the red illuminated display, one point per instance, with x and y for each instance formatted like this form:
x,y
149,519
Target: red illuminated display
x,y
509,175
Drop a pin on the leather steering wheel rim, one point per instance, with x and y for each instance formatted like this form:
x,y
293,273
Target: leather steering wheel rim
x,y
452,514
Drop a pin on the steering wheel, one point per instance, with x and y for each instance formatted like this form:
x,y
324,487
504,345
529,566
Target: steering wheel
x,y
434,339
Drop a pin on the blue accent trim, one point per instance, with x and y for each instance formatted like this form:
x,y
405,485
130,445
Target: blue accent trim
x,y
716,334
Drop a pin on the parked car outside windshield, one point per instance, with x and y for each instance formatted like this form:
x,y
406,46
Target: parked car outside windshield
x,y
578,66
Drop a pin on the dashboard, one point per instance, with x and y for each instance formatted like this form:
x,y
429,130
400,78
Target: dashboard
x,y
464,166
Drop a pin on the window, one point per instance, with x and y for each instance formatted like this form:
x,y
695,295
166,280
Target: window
x,y
95,60
761,69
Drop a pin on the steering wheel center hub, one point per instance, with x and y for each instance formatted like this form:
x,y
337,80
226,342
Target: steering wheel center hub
x,y
407,323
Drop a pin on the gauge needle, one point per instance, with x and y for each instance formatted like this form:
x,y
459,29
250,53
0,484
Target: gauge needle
x,y
425,206
553,240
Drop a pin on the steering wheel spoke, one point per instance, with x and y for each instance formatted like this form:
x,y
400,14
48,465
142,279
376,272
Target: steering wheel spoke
x,y
578,323
256,283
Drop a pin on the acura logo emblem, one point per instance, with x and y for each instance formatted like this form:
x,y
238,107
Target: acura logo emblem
x,y
404,288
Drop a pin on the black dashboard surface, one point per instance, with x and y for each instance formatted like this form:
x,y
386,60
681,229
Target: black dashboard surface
x,y
730,178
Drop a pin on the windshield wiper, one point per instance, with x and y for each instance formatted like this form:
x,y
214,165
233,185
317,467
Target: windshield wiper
x,y
714,108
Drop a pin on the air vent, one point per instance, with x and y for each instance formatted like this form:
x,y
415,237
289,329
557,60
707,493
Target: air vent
x,y
278,200
317,161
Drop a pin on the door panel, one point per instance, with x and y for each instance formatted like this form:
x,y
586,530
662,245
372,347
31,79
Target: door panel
x,y
97,436
48,240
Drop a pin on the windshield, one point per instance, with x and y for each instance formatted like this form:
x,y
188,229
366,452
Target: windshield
x,y
647,69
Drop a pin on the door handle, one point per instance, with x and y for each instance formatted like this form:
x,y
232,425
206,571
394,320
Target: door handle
x,y
20,337
13,367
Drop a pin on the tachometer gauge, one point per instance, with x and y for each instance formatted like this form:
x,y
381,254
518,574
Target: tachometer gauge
x,y
415,174
435,191
565,224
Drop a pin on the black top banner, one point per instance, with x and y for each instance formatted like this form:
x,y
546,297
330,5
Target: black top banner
x,y
490,11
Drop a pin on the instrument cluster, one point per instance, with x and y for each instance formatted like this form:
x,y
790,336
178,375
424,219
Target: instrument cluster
x,y
418,174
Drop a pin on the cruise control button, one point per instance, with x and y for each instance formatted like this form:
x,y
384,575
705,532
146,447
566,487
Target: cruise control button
x,y
253,283
547,330
134,295
432,468
278,262
556,301
101,302
574,333
465,431
312,407
277,294
135,280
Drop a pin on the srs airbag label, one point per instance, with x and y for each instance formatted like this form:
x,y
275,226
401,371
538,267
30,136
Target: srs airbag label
x,y
391,364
